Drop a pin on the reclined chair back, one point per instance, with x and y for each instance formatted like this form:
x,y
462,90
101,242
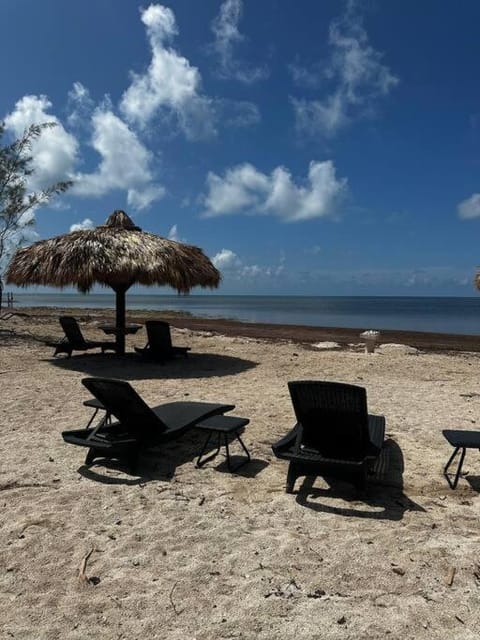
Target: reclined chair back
x,y
333,418
73,333
159,337
123,402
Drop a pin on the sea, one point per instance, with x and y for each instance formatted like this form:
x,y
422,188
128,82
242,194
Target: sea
x,y
430,314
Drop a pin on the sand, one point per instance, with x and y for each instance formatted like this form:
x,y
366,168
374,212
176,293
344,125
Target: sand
x,y
181,553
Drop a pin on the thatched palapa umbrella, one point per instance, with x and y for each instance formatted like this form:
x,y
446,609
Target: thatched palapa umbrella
x,y
116,254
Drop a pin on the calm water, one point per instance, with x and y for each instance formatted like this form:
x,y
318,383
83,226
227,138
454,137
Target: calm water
x,y
443,315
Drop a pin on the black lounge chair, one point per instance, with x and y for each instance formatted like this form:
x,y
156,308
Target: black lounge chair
x,y
334,435
159,346
74,340
138,426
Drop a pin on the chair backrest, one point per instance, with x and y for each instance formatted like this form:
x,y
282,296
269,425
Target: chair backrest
x,y
72,331
333,417
121,400
158,333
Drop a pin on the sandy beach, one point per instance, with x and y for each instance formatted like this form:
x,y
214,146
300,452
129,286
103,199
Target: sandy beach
x,y
184,553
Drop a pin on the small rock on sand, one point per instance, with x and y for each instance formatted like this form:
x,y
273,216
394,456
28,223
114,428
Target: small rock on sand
x,y
326,345
392,347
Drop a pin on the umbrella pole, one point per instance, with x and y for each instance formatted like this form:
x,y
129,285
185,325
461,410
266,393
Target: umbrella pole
x,y
120,319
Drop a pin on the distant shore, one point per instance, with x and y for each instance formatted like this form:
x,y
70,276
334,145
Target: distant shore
x,y
273,332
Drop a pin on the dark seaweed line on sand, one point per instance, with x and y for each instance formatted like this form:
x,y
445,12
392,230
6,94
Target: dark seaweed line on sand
x,y
440,342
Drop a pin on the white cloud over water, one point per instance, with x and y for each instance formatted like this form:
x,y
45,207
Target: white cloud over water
x,y
170,82
231,266
469,208
352,79
385,281
55,152
174,234
167,94
246,190
227,38
79,105
82,226
125,163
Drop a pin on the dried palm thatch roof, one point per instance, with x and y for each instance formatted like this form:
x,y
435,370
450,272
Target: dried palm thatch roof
x,y
116,254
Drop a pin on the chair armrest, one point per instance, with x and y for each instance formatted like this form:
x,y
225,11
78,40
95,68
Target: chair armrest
x,y
376,430
286,442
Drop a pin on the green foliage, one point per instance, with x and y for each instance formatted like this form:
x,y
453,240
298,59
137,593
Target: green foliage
x,y
15,201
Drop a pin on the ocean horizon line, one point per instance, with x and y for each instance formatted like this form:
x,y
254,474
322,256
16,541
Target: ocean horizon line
x,y
23,293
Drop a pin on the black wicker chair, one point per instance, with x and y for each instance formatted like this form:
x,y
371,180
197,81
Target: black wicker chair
x,y
138,426
334,435
74,340
159,346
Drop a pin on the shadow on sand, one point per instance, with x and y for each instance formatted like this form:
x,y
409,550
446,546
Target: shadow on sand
x,y
160,463
132,367
383,499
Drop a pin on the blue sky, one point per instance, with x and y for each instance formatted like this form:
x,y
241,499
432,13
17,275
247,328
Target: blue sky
x,y
317,148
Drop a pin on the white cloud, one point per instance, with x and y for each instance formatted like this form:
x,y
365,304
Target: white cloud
x,y
227,36
229,264
469,208
170,81
143,197
239,113
125,163
226,259
174,235
55,152
315,250
81,226
246,190
314,116
385,280
354,77
303,77
80,105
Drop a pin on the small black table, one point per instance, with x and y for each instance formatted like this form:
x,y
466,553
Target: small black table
x,y
111,329
460,440
225,426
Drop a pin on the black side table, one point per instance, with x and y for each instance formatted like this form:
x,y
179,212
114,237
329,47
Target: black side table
x,y
224,427
460,440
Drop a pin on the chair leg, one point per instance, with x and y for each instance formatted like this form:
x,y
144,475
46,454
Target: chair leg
x,y
247,453
459,468
201,462
90,456
133,461
227,449
92,418
291,477
361,480
225,440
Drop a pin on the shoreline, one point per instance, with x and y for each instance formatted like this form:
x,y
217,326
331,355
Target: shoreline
x,y
303,334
